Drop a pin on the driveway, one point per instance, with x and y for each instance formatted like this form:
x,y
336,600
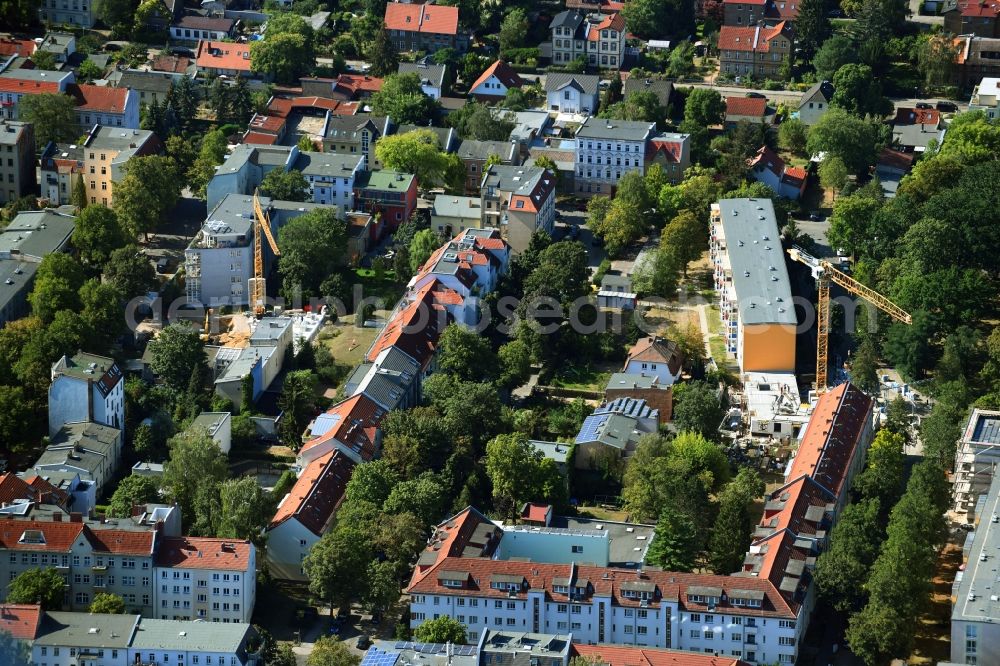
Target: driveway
x,y
567,217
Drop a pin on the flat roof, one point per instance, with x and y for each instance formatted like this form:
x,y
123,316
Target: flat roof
x,y
190,635
625,538
978,584
984,427
455,206
15,279
623,130
210,421
556,451
753,245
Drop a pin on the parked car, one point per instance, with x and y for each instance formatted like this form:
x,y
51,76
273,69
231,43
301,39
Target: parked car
x,y
163,265
923,105
364,642
947,106
816,216
756,95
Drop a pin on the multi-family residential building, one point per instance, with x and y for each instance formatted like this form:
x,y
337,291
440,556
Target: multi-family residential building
x,y
759,12
92,451
471,263
270,342
453,214
655,357
205,579
986,97
977,57
672,152
86,387
518,200
68,639
786,181
61,164
77,13
432,77
389,194
194,28
493,84
424,27
15,84
350,426
613,431
24,242
606,149
757,50
474,155
597,38
223,58
17,160
571,93
356,135
331,177
152,87
105,154
752,282
976,459
815,102
973,17
975,632
103,105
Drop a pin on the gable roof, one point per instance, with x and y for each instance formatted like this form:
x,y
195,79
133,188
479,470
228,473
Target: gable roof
x,y
52,537
435,19
433,74
223,55
671,146
657,350
204,553
352,422
104,99
659,87
121,542
314,498
21,620
613,21
585,83
908,116
627,655
754,107
503,72
978,9
355,84
414,329
749,38
819,91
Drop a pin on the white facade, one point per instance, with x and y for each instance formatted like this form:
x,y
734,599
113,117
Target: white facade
x,y
212,595
658,369
79,392
570,99
127,118
986,98
491,87
607,149
663,624
287,547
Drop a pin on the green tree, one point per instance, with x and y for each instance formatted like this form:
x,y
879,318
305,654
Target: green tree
x,y
38,586
833,174
176,353
639,105
936,59
129,271
285,185
382,55
517,474
13,652
835,52
330,651
417,152
298,404
246,509
78,193
882,478
698,409
812,26
649,19
53,116
515,364
792,135
17,425
192,475
89,70
465,354
858,92
402,99
284,56
442,629
423,497
97,234
57,286
842,569
478,121
333,565
372,483
675,544
513,29
107,603
423,245
133,490
115,12
704,107
149,189
312,248
840,134
731,534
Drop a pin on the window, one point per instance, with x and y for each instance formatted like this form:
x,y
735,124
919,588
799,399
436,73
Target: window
x,y
695,617
786,640
628,629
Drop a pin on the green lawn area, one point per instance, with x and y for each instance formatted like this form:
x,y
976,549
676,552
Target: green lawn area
x,y
585,378
386,288
347,342
716,341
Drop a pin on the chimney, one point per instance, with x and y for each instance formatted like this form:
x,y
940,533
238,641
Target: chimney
x,y
76,517
57,517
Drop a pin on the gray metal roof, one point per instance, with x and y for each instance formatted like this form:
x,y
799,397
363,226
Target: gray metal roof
x,y
517,179
976,597
472,149
222,637
662,89
434,74
567,19
15,279
389,379
760,277
330,165
11,131
586,83
89,630
454,206
85,445
159,82
34,234
623,130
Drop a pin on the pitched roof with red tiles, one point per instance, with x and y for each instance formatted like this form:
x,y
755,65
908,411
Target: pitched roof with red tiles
x,y
17,47
414,330
782,561
260,138
895,159
171,63
753,107
656,350
270,124
52,537
795,176
611,22
21,620
104,99
13,488
504,73
356,424
204,553
223,55
801,506
907,116
669,148
23,87
48,493
832,436
434,19
627,655
751,38
282,106
355,84
978,9
768,159
121,542
315,497
536,513
466,534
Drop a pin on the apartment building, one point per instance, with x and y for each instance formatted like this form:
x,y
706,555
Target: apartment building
x,y
17,83
672,152
759,12
606,149
24,242
205,579
194,28
331,177
389,194
474,155
356,135
986,97
104,105
17,160
86,387
976,459
269,343
77,13
518,200
60,166
424,27
755,50
105,154
752,282
977,57
598,38
92,451
973,17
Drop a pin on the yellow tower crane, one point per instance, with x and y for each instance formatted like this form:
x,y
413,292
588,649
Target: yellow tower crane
x,y
258,283
824,272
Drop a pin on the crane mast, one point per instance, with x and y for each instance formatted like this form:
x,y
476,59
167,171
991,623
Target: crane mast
x,y
261,230
824,272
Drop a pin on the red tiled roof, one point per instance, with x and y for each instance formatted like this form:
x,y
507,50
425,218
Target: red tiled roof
x,y
906,116
795,176
414,330
13,488
625,655
504,73
979,9
104,99
751,38
204,553
468,532
436,19
260,139
754,107
611,21
786,508
657,350
358,419
768,159
354,84
262,123
832,436
314,498
17,47
121,542
21,620
27,87
282,106
171,63
223,55
535,512
48,492
670,148
895,159
58,537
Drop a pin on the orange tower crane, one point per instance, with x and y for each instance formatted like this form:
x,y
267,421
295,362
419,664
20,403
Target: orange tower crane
x,y
824,272
261,228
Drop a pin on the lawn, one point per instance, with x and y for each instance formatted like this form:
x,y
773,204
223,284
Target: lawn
x,y
716,342
347,342
385,288
586,378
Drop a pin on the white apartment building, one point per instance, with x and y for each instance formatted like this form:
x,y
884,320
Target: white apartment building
x,y
606,149
205,579
86,387
986,97
331,177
